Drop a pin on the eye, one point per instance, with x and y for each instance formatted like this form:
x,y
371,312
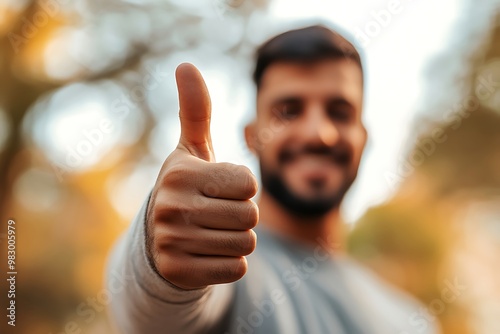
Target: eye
x,y
288,110
340,111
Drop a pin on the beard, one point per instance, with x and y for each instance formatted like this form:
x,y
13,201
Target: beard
x,y
315,206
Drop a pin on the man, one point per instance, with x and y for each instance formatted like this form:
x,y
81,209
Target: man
x,y
185,256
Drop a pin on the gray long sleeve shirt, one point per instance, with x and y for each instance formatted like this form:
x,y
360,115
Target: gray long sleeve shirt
x,y
288,289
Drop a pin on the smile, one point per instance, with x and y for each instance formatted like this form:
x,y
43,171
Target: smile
x,y
313,165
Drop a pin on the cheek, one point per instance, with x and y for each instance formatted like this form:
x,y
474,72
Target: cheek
x,y
268,143
357,139
271,134
267,154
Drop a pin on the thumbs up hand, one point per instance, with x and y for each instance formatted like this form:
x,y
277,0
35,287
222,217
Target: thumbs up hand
x,y
200,216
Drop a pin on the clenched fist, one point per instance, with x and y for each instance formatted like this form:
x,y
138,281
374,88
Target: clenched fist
x,y
200,217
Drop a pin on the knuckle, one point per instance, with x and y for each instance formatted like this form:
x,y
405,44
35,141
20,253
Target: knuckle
x,y
179,270
230,242
186,269
240,268
169,268
220,177
221,174
171,210
250,185
230,169
242,243
249,243
212,189
220,273
178,175
228,174
229,272
175,207
167,240
252,217
229,208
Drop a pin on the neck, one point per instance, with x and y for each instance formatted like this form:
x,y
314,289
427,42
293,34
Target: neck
x,y
326,231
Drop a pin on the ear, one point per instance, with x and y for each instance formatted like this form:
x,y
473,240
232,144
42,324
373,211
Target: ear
x,y
250,136
365,135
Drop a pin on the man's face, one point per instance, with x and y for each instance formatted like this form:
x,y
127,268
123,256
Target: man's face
x,y
308,133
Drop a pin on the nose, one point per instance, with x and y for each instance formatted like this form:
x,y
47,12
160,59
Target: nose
x,y
317,128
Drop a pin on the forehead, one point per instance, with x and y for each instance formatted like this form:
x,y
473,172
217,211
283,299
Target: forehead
x,y
342,78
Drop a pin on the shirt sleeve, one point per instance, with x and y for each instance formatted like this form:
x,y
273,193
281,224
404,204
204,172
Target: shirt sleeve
x,y
144,302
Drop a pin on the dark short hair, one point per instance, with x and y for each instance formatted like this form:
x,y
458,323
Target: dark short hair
x,y
305,45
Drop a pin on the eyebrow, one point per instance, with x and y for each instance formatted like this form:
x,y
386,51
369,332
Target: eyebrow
x,y
338,100
298,99
288,99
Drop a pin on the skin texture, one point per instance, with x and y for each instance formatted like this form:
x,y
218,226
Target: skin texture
x,y
313,110
200,216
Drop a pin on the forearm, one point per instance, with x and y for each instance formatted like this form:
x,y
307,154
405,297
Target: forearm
x,y
143,302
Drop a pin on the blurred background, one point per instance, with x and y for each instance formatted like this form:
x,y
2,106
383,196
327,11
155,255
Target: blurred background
x,y
88,113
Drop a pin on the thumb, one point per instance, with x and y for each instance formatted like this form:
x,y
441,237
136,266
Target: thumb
x,y
195,112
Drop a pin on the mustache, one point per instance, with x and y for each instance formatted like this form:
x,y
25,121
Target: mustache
x,y
337,154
